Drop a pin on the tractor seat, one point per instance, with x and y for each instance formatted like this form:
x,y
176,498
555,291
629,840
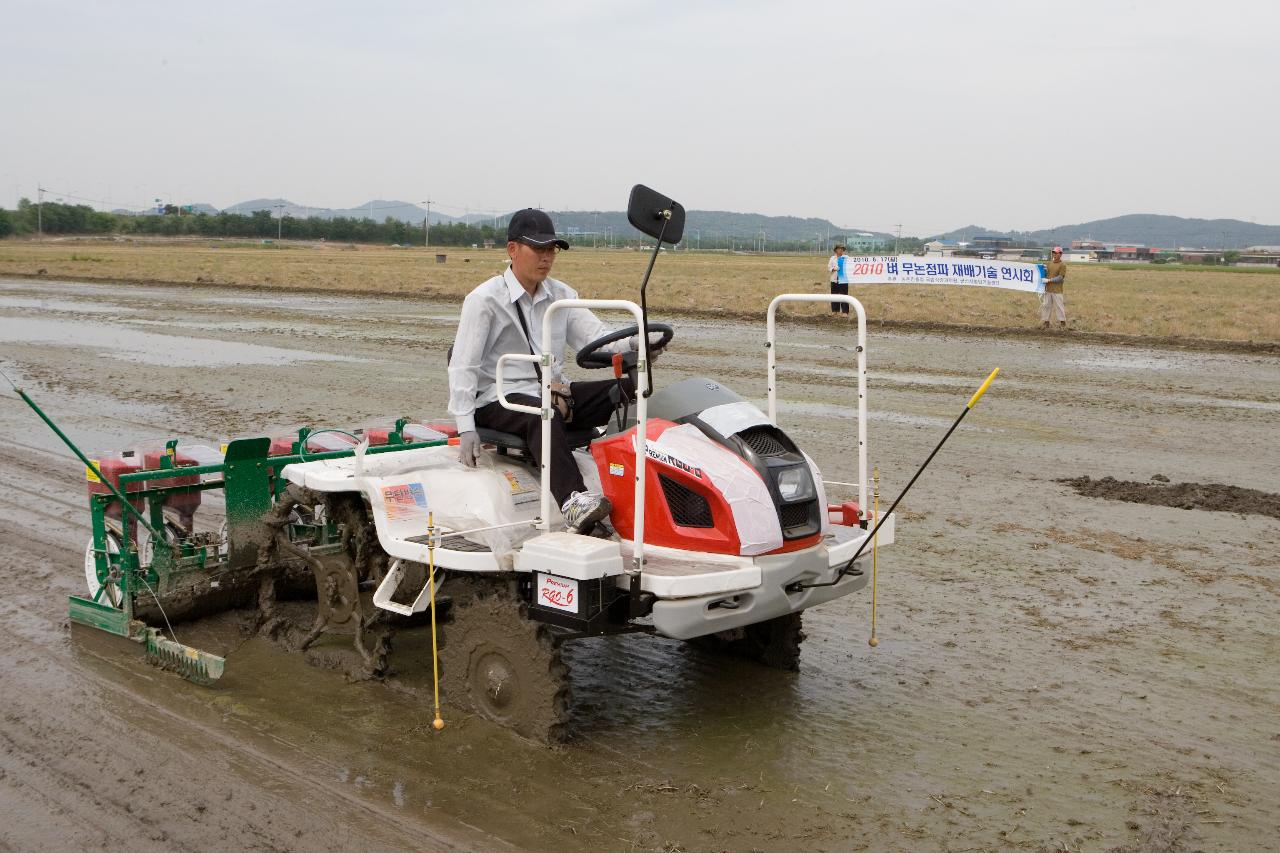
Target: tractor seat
x,y
507,442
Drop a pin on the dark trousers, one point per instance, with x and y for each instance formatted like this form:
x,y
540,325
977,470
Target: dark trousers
x,y
838,289
593,405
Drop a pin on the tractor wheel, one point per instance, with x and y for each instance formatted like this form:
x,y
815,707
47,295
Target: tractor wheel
x,y
504,667
774,643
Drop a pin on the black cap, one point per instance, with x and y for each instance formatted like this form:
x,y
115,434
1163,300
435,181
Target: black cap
x,y
534,228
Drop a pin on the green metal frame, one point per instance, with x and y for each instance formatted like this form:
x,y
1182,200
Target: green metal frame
x,y
251,484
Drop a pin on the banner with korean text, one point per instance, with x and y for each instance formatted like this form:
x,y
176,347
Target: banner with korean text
x,y
964,272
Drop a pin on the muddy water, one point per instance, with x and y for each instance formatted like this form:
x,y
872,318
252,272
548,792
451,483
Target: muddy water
x,y
1055,671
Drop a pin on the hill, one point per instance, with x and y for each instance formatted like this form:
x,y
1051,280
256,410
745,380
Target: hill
x,y
1144,229
376,209
715,226
752,230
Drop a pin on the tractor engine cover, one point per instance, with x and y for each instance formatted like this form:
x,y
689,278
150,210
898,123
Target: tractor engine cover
x,y
699,496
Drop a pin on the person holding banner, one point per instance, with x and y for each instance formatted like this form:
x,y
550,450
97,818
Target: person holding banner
x,y
839,280
1052,302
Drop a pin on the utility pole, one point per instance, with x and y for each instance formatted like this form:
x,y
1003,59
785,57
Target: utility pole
x,y
897,239
279,221
426,224
39,211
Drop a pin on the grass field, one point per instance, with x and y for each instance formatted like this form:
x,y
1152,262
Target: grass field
x,y
1150,302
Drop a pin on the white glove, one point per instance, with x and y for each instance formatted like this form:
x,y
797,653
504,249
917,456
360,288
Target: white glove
x,y
654,339
469,448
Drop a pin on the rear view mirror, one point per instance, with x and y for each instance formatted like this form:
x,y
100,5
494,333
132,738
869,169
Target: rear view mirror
x,y
652,213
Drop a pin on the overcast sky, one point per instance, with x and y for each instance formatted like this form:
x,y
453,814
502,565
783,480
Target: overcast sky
x,y
1012,115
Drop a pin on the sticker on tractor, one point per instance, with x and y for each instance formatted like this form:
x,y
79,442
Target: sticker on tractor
x,y
407,502
617,469
524,487
674,462
558,593
88,472
518,485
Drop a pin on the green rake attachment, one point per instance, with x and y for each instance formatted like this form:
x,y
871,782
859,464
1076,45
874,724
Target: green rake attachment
x,y
192,664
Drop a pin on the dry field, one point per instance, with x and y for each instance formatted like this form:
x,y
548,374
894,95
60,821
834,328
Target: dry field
x,y
1177,304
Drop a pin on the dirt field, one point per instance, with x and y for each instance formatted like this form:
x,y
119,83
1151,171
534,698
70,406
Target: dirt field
x,y
1057,671
1182,306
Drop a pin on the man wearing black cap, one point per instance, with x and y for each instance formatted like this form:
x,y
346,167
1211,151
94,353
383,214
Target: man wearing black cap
x,y
505,315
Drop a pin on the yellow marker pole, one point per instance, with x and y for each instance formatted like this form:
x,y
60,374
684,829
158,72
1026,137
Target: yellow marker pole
x,y
431,584
875,515
973,401
982,389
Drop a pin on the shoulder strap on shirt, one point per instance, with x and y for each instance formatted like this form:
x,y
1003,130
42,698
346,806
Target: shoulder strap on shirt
x,y
524,327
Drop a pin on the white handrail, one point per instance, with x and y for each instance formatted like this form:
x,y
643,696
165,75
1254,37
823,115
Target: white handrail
x,y
770,345
642,410
502,392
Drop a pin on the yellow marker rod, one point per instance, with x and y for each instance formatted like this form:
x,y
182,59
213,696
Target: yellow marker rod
x,y
848,567
875,516
431,585
977,395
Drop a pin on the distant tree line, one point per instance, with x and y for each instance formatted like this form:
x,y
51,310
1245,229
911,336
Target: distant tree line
x,y
65,219
57,218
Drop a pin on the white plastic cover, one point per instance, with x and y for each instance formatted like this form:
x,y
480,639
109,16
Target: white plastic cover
x,y
754,514
732,418
403,486
459,498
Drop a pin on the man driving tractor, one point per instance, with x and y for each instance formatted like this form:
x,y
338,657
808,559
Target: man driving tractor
x,y
505,315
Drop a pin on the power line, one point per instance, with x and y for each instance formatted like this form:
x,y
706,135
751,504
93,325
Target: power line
x,y
92,200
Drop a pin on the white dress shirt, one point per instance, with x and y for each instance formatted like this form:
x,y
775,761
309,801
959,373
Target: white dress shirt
x,y
489,327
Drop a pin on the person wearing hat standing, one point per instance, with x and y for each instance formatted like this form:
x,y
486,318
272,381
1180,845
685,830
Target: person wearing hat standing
x,y
839,279
505,315
1052,301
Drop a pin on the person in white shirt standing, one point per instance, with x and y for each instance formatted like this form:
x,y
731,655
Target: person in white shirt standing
x,y
505,315
839,279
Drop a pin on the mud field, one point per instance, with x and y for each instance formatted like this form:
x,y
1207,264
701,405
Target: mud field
x,y
1057,670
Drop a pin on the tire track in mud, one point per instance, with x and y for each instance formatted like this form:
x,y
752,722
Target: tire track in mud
x,y
85,754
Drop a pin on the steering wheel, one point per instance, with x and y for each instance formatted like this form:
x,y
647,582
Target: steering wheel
x,y
591,357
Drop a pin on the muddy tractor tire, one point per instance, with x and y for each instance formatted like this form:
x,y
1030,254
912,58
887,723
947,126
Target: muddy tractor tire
x,y
498,664
773,643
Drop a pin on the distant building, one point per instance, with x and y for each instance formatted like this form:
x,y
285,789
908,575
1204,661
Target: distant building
x,y
860,242
941,248
1261,256
990,241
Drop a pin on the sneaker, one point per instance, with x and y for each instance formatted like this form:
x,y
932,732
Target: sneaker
x,y
583,509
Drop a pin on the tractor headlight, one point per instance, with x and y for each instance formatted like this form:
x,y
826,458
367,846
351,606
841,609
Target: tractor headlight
x,y
796,484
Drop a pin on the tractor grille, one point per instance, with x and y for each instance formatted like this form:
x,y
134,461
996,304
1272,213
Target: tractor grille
x,y
795,516
688,508
764,441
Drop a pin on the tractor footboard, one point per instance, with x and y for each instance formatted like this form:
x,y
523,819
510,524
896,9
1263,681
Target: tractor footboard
x,y
686,618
